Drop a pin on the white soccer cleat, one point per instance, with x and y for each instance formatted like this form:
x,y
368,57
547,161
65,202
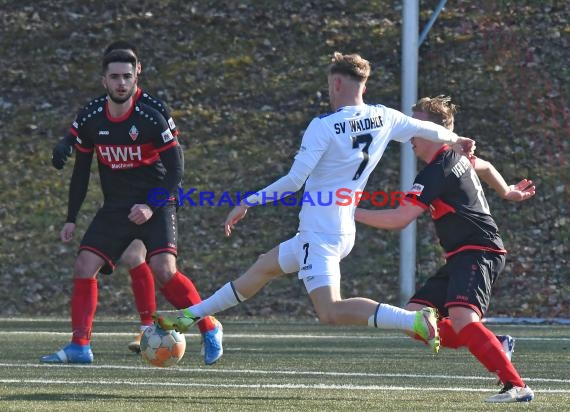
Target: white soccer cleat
x,y
511,393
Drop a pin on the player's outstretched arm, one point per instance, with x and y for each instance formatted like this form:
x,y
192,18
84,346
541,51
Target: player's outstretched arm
x,y
465,146
390,219
523,190
283,187
236,214
437,133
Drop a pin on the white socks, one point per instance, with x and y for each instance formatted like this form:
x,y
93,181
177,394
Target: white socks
x,y
224,298
392,317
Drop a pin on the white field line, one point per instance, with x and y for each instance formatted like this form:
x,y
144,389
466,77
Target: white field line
x,y
510,321
380,335
266,372
203,371
253,386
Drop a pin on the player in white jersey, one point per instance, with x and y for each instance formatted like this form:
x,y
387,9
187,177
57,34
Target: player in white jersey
x,y
338,152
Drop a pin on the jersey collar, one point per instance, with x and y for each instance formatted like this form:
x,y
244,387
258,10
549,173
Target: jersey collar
x,y
444,148
121,118
137,94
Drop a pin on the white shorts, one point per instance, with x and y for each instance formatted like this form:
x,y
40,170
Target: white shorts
x,y
316,256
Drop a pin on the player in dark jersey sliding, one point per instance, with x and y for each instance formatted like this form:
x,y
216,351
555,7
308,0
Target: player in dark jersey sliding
x,y
448,186
136,152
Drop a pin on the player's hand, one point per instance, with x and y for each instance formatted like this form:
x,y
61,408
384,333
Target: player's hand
x,y
465,146
237,214
60,153
140,213
66,233
523,190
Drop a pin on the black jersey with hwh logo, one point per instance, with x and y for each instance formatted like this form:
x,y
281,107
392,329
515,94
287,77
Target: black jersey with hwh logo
x,y
450,188
141,97
127,149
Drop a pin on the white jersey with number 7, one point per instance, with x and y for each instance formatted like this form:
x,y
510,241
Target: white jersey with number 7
x,y
339,151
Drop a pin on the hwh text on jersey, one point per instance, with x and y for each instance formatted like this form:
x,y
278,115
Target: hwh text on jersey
x,y
119,156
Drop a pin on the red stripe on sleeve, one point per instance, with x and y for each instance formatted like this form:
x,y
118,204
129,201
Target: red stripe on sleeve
x,y
168,146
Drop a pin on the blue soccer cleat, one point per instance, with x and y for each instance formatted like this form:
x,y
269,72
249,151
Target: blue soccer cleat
x,y
71,353
212,343
183,320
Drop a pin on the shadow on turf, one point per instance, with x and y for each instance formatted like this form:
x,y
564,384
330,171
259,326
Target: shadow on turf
x,y
78,397
206,401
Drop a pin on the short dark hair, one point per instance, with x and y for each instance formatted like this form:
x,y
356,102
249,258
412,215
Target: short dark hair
x,y
118,56
121,45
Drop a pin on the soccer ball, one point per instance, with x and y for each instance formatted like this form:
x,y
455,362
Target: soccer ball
x,y
161,347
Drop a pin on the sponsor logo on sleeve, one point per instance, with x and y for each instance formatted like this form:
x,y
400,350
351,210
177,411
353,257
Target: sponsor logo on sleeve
x,y
167,136
171,124
417,189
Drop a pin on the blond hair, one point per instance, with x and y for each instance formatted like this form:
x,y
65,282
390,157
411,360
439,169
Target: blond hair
x,y
439,109
352,65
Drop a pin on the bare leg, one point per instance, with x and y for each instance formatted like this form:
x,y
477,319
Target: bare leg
x,y
163,266
134,255
259,274
332,309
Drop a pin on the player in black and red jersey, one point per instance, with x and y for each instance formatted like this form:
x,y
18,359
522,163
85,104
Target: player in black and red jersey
x,y
134,257
461,290
137,153
64,148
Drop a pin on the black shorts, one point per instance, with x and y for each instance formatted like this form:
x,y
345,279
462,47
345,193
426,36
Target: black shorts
x,y
111,232
466,280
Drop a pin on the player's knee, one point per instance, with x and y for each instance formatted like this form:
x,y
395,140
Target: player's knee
x,y
267,266
461,318
328,315
86,266
414,306
329,318
132,259
325,318
162,273
134,255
